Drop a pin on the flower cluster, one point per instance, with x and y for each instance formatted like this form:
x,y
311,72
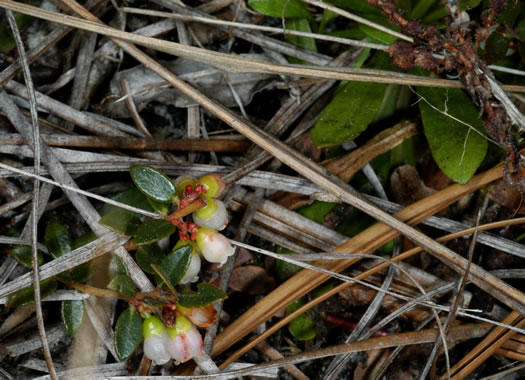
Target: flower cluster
x,y
208,220
180,342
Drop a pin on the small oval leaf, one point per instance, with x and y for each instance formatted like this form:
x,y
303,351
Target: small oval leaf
x,y
163,208
147,255
84,239
117,266
24,255
128,333
153,183
124,284
72,313
153,230
175,266
132,197
205,295
57,240
123,222
27,295
81,273
302,327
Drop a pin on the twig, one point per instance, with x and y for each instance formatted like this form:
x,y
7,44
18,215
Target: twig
x,y
205,20
36,187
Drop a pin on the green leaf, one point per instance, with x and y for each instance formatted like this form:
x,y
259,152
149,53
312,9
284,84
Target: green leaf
x,y
153,230
163,208
495,48
128,333
153,183
27,295
301,25
24,255
117,266
123,222
377,34
456,148
356,5
465,5
147,255
132,197
520,29
205,295
274,8
84,239
348,114
302,327
512,11
57,240
284,269
175,266
317,211
81,273
421,8
72,313
123,284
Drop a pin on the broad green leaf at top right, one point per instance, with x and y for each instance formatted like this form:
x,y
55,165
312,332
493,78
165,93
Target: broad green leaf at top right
x,y
457,148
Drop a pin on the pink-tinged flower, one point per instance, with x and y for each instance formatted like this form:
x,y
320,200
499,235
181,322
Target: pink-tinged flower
x,y
155,340
214,247
200,316
184,342
213,184
213,215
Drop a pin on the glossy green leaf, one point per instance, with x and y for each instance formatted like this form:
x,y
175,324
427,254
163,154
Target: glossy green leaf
x,y
27,295
176,264
206,294
81,273
302,327
274,8
123,284
128,333
117,266
348,114
123,222
153,230
456,148
72,313
24,255
84,239
132,197
495,48
147,255
163,208
57,240
153,183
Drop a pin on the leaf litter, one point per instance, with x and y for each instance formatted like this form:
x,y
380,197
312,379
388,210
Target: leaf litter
x,y
280,229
